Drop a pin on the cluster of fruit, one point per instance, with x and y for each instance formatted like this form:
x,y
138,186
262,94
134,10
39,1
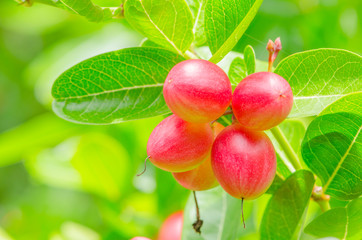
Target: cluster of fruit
x,y
199,151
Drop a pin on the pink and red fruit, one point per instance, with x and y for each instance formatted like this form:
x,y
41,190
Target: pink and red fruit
x,y
178,146
197,91
262,100
243,161
202,177
171,228
140,238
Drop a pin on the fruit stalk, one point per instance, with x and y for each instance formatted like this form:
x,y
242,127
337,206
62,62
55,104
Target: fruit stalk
x,y
198,223
284,143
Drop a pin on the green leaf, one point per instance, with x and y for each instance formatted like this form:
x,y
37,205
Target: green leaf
x,y
237,71
168,23
336,135
148,43
342,223
84,8
93,162
332,150
197,8
103,165
37,133
225,120
283,215
220,212
225,23
249,58
114,87
319,77
350,103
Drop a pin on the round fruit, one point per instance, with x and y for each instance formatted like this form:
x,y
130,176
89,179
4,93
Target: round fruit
x,y
202,177
171,228
243,161
197,91
178,146
262,100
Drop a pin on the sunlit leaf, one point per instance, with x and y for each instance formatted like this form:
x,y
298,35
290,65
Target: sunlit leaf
x,y
220,212
84,8
342,223
225,23
319,77
167,23
237,71
114,87
197,8
249,58
284,213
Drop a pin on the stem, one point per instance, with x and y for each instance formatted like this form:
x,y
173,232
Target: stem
x,y
190,55
227,112
324,205
197,206
270,65
242,210
284,143
198,223
322,199
145,168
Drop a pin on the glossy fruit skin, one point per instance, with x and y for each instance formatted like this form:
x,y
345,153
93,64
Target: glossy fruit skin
x,y
178,146
171,228
140,238
262,100
202,177
244,161
197,90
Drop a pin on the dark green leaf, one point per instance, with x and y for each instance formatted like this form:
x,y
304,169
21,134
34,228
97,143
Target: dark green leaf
x,y
332,149
342,223
249,58
197,8
319,77
115,86
225,23
283,215
237,71
220,212
338,128
167,23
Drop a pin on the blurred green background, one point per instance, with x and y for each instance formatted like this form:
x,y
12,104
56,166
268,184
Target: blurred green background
x,y
63,181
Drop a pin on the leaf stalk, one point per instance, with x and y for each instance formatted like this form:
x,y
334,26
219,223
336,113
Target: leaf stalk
x,y
288,149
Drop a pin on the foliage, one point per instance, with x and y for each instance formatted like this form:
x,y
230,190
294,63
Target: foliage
x,y
72,180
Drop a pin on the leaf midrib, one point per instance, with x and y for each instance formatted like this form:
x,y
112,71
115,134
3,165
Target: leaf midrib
x,y
219,52
325,187
198,16
158,29
111,91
